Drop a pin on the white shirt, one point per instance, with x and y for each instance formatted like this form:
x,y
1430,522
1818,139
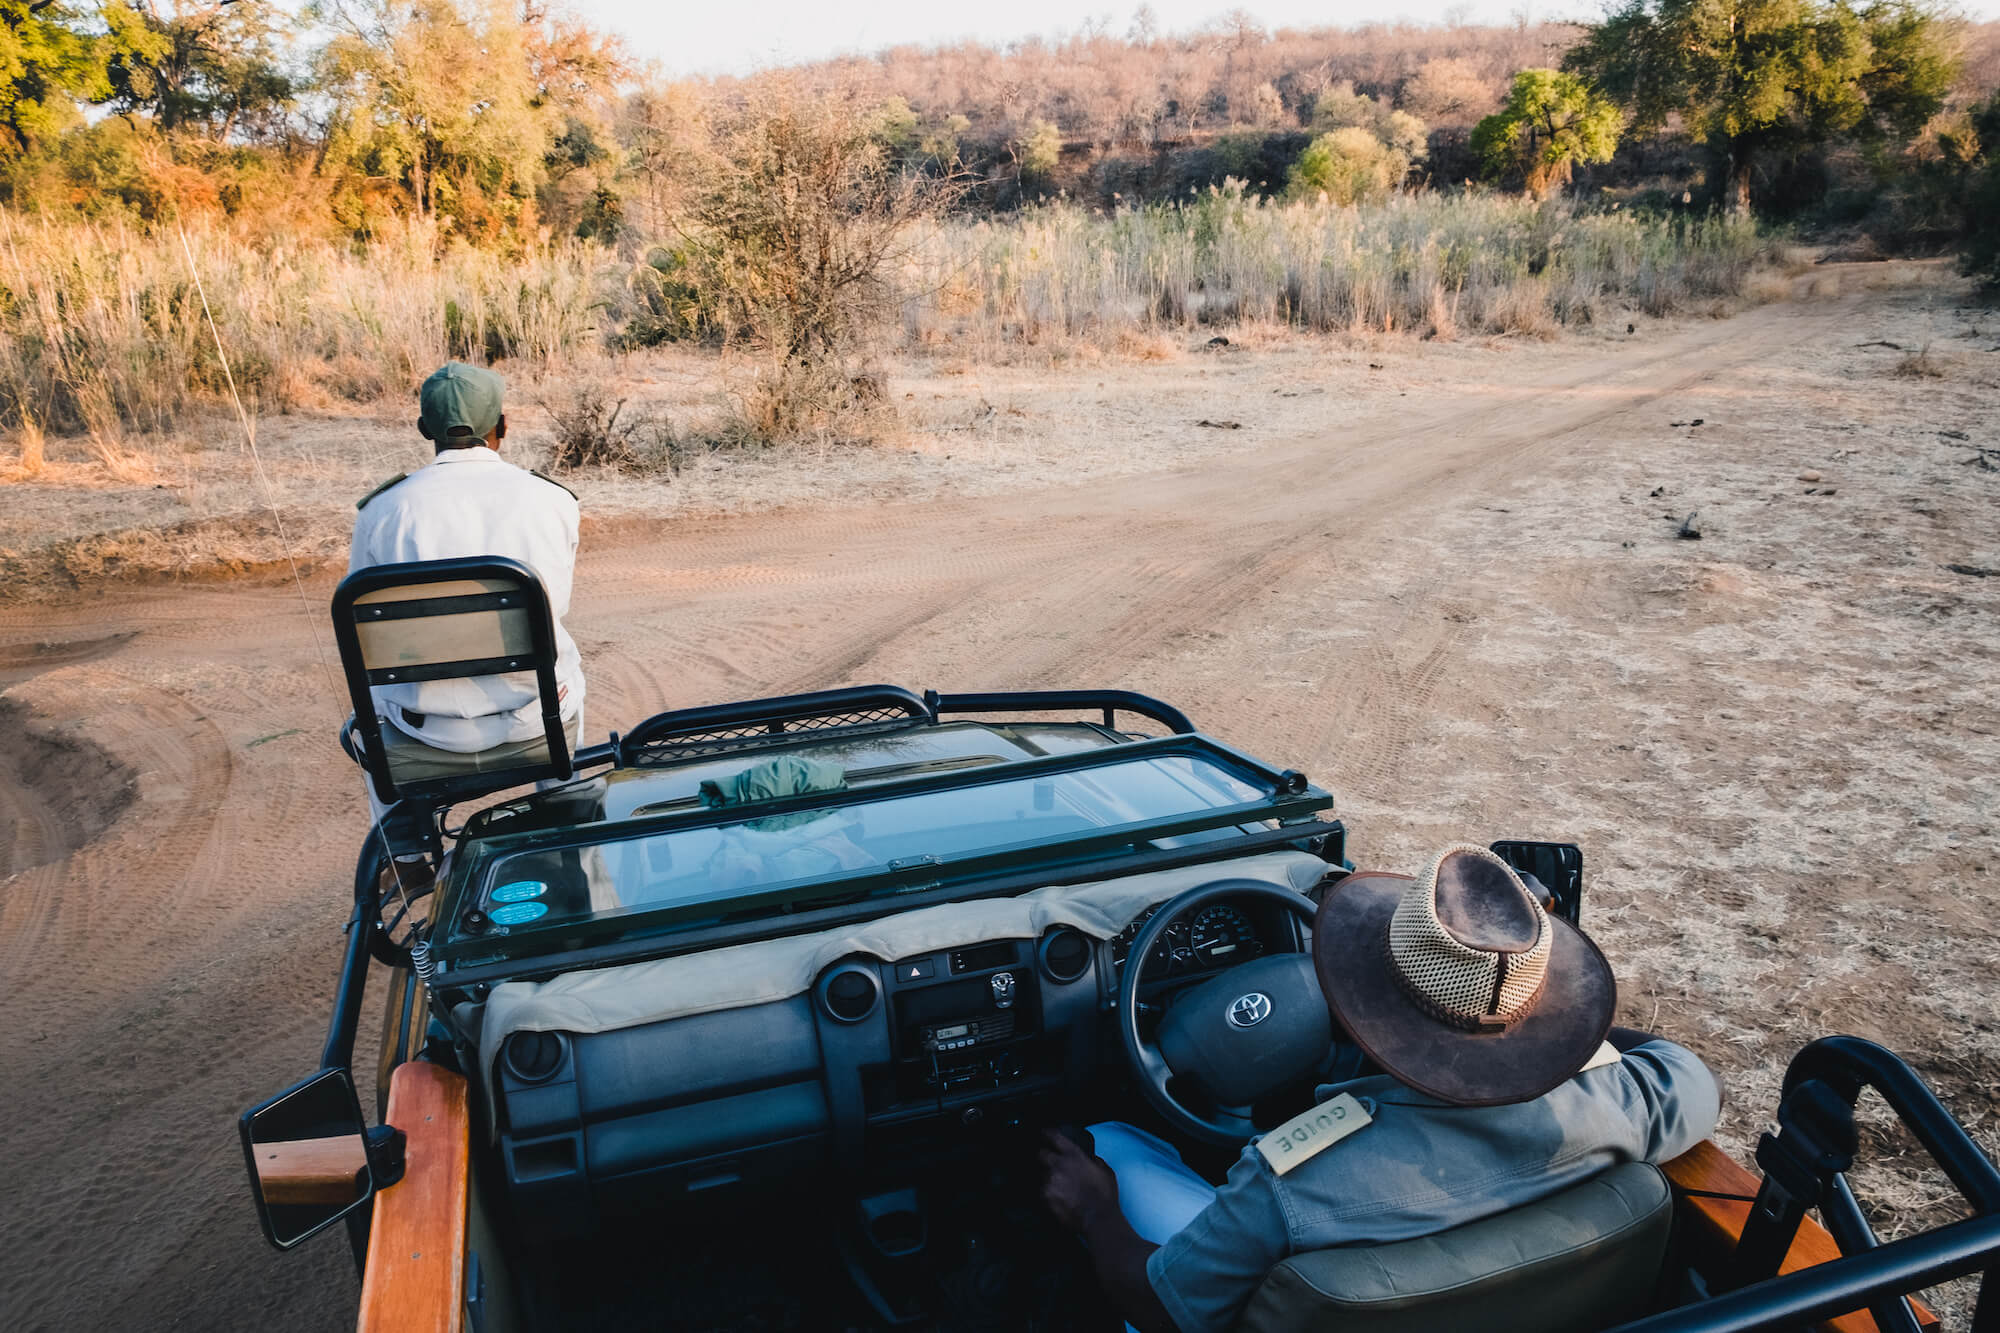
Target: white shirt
x,y
472,502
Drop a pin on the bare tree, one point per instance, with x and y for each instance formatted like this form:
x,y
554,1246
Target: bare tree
x,y
799,223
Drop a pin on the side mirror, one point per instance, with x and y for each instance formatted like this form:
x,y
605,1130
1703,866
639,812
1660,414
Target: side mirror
x,y
307,1149
1559,867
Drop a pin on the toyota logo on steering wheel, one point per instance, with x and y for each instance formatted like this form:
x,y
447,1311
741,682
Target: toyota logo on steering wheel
x,y
1249,1010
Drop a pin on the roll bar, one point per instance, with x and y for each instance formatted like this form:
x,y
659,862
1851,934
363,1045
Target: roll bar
x,y
1111,702
1805,1165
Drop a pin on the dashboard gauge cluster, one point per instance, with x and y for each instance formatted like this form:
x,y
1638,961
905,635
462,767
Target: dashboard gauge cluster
x,y
1216,937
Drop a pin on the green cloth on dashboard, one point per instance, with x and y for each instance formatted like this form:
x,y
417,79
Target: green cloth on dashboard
x,y
787,775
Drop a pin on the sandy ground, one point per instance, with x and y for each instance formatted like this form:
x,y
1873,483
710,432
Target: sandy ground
x,y
1450,590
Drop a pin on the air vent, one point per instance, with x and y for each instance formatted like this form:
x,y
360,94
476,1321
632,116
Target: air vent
x,y
533,1056
1065,954
850,992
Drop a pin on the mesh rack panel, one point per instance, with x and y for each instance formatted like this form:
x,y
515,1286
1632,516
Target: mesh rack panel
x,y
673,748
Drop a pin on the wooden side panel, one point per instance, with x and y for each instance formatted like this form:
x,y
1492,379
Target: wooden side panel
x,y
415,1280
1718,1223
312,1171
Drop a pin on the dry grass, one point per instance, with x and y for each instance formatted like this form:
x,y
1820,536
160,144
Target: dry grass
x,y
103,334
1919,365
1428,264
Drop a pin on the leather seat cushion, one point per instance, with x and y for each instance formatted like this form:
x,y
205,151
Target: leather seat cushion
x,y
1586,1258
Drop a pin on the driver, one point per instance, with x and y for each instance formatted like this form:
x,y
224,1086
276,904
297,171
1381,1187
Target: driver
x,y
1488,1017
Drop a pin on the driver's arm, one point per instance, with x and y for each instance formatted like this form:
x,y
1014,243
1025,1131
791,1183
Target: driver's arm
x,y
1082,1192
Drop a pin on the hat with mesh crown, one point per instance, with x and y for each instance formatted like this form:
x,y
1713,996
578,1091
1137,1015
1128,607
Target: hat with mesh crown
x,y
1459,983
459,404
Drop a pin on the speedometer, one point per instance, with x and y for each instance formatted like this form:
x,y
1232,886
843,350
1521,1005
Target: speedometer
x,y
1222,936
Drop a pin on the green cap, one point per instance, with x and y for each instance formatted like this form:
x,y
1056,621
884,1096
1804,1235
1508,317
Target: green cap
x,y
459,402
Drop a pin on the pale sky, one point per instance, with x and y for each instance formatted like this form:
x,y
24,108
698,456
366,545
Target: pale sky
x,y
730,38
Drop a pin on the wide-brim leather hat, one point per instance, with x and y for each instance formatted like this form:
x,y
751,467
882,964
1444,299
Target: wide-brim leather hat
x,y
1459,983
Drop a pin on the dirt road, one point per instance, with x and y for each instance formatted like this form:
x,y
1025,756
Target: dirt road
x,y
1466,613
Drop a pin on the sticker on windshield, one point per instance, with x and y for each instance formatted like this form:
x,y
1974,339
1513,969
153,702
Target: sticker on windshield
x,y
520,891
517,914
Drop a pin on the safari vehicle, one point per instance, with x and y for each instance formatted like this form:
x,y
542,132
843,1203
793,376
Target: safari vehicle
x,y
747,1019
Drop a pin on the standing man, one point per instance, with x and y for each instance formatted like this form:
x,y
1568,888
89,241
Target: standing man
x,y
471,502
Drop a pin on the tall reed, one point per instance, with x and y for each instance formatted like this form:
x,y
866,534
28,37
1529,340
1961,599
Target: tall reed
x,y
1433,264
102,334
102,331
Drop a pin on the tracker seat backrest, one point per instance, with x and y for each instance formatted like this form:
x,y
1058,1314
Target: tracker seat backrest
x,y
1585,1259
441,620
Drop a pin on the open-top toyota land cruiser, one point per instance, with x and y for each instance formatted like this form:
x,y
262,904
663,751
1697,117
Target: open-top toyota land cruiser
x,y
748,1018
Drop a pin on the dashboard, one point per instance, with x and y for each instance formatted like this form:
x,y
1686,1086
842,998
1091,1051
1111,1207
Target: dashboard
x,y
882,1061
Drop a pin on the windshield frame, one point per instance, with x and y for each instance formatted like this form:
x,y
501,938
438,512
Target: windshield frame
x,y
1291,800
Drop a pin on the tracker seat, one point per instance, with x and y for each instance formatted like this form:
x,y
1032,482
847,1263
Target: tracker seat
x,y
1585,1259
431,620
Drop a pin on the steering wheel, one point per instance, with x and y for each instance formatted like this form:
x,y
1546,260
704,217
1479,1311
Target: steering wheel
x,y
1241,1035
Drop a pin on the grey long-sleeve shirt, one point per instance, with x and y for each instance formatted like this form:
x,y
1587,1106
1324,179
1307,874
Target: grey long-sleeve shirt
x,y
1423,1166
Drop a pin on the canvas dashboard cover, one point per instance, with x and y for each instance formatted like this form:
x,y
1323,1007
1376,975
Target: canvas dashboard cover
x,y
608,999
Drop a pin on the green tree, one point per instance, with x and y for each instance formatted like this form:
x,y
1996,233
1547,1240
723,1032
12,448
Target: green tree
x,y
1755,78
463,104
1552,121
217,67
1037,153
918,141
47,63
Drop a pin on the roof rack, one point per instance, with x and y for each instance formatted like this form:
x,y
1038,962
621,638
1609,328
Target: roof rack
x,y
667,738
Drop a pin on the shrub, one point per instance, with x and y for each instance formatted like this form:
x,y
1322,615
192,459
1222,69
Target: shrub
x,y
799,227
1982,197
585,430
1037,154
1348,166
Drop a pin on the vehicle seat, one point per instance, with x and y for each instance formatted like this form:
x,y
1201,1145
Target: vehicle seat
x,y
1587,1258
443,620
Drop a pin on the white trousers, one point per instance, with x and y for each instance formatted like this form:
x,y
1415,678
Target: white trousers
x,y
376,805
1157,1191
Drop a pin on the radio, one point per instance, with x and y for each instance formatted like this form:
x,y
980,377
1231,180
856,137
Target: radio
x,y
968,1033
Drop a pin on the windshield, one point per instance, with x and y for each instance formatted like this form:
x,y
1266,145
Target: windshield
x,y
718,863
